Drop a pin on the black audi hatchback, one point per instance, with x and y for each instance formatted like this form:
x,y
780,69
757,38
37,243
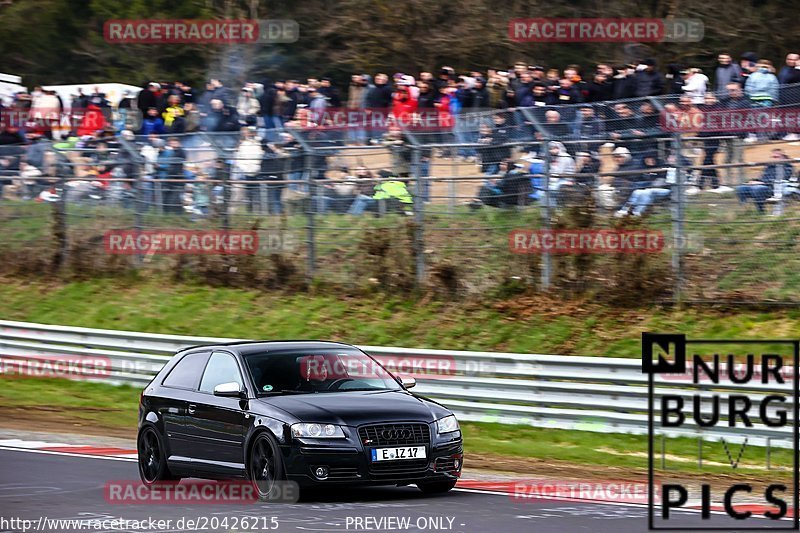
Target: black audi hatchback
x,y
318,413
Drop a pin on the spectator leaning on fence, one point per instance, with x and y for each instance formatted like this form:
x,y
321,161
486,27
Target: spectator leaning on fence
x,y
762,85
727,72
695,84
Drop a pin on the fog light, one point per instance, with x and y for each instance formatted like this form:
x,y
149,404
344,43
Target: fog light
x,y
456,463
321,472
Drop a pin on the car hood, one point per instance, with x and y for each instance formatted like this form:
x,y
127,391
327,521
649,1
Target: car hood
x,y
357,407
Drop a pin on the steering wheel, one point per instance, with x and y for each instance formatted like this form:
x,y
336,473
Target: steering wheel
x,y
335,385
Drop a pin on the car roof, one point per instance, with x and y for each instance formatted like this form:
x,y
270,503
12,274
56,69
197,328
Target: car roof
x,y
249,347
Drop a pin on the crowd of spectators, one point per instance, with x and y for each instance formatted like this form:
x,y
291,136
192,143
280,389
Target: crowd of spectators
x,y
604,102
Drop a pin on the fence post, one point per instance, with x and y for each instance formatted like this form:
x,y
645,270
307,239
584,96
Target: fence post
x,y
61,223
678,211
138,207
310,207
138,163
547,264
419,218
226,192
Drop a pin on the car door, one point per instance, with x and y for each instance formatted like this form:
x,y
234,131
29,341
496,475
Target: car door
x,y
217,424
177,388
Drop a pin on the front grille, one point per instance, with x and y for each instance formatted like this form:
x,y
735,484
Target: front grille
x,y
394,434
398,468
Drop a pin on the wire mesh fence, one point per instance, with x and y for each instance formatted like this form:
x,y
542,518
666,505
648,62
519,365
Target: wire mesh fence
x,y
596,199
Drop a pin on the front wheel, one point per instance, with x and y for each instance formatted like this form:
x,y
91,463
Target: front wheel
x,y
152,458
437,487
265,467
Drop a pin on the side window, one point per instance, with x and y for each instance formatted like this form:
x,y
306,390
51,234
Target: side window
x,y
221,368
186,374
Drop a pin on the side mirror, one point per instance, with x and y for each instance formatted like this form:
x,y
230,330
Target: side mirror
x,y
229,390
408,381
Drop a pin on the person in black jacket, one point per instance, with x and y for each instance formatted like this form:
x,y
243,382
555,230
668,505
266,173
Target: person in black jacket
x,y
648,80
380,96
171,168
675,79
624,82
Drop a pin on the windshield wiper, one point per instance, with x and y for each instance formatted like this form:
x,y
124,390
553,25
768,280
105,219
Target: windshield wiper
x,y
286,391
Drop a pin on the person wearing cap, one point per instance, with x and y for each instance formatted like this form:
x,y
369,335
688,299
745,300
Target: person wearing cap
x,y
624,82
649,81
695,84
599,89
748,62
247,107
624,184
762,85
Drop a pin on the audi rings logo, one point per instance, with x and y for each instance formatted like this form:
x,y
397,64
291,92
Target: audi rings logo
x,y
396,434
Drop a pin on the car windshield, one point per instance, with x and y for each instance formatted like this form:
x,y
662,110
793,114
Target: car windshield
x,y
310,371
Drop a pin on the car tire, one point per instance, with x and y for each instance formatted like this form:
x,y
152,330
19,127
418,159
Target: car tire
x,y
152,458
265,466
437,487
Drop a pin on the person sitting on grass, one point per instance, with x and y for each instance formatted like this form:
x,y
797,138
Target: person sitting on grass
x,y
659,187
513,189
771,182
388,188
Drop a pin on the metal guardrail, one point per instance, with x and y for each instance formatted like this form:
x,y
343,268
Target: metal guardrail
x,y
601,394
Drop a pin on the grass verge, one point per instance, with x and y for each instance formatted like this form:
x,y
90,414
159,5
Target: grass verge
x,y
529,324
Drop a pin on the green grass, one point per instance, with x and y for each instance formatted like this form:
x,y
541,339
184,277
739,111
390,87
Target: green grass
x,y
524,324
102,405
737,254
614,450
529,324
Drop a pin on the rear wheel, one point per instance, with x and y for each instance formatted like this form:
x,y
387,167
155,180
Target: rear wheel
x,y
437,487
265,466
152,458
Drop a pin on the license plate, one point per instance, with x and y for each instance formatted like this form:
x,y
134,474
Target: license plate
x,y
398,454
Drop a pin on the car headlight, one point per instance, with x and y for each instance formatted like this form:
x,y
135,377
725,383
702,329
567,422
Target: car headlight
x,y
447,424
317,431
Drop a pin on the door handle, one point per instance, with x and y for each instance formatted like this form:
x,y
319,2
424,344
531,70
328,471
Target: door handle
x,y
192,408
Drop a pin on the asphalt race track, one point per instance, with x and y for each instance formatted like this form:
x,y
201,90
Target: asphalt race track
x,y
36,485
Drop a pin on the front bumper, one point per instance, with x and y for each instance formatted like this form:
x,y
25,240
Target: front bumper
x,y
350,464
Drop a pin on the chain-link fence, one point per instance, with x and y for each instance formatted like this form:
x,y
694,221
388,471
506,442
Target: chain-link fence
x,y
597,200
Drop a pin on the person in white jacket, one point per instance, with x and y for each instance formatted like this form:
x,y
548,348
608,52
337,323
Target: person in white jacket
x,y
695,84
247,164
